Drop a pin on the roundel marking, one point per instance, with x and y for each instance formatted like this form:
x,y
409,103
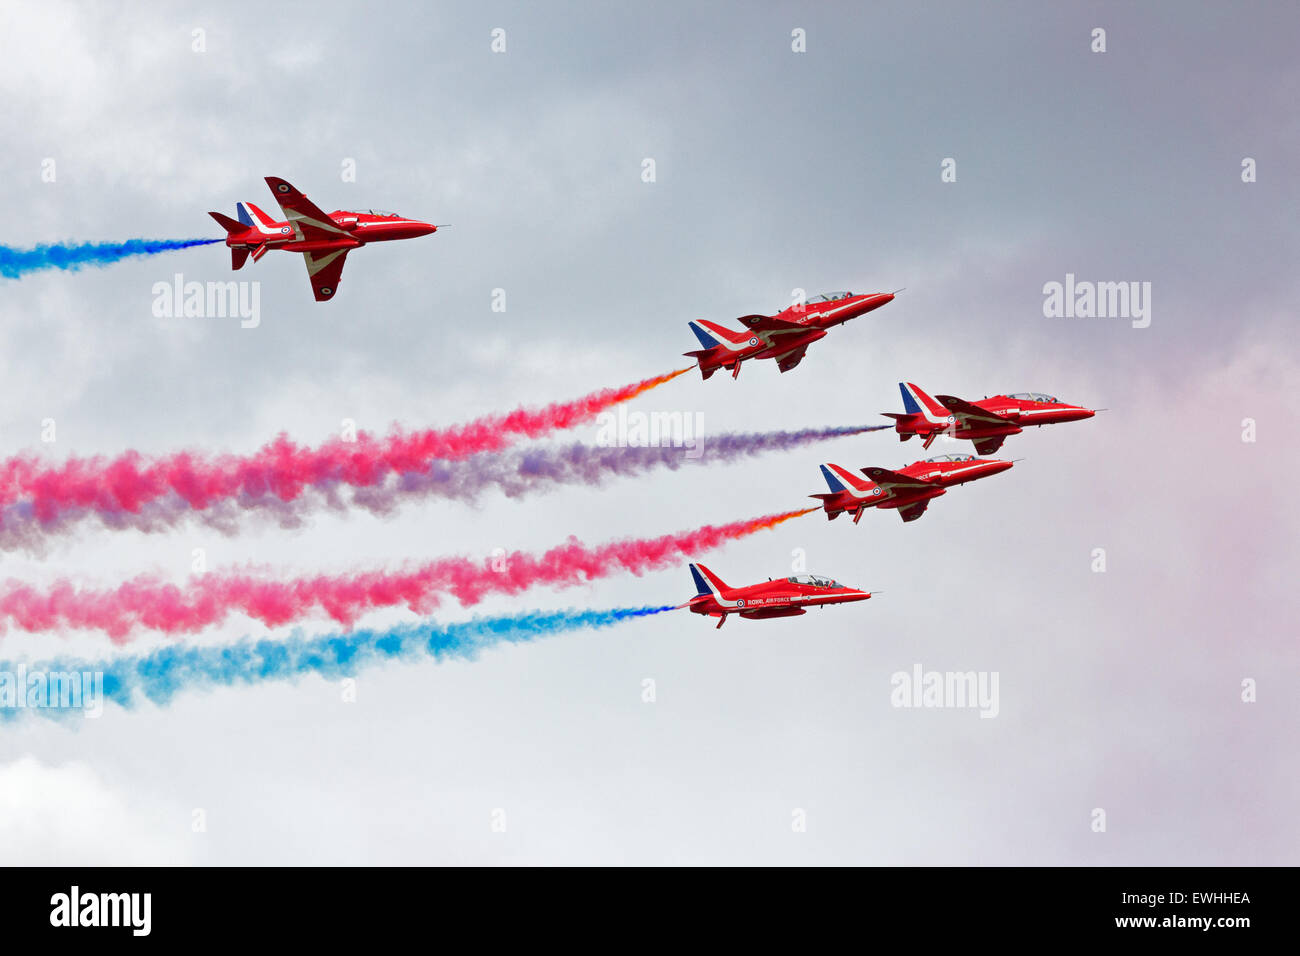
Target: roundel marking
x,y
753,340
283,187
326,290
876,491
286,230
740,603
951,419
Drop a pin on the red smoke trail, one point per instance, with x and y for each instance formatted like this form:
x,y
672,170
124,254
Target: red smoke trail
x,y
148,603
281,469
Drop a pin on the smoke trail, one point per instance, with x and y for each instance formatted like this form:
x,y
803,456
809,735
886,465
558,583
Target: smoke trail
x,y
518,473
514,473
160,675
16,263
147,602
281,469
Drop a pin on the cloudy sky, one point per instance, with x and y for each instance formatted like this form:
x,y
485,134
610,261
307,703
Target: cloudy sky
x,y
775,170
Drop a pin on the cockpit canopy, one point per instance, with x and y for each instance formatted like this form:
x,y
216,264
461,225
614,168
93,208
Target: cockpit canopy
x,y
373,212
814,580
1034,397
829,297
952,458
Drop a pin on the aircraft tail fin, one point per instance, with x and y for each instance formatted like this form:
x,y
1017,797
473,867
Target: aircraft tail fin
x,y
250,215
228,224
832,480
711,334
918,402
706,582
838,478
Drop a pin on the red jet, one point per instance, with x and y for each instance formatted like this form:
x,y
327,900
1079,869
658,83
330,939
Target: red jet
x,y
324,239
909,489
784,336
987,422
787,597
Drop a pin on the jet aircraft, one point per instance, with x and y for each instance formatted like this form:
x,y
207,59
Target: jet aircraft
x,y
987,422
780,597
784,337
324,239
908,490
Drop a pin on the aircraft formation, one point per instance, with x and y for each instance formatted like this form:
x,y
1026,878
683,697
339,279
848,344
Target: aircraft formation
x,y
325,239
987,423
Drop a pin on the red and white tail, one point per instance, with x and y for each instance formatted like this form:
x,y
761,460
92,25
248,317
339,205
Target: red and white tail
x,y
917,402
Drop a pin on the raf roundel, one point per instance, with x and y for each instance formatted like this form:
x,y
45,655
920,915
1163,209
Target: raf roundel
x,y
753,340
283,187
326,290
286,230
875,491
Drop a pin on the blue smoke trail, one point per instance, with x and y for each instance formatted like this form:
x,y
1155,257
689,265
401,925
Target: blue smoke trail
x,y
16,263
160,675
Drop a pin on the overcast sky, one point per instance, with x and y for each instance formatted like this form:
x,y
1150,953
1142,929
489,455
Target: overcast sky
x,y
774,171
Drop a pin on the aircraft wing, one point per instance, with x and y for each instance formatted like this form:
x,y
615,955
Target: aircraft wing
x,y
767,323
792,358
325,269
304,215
987,446
889,480
914,511
968,414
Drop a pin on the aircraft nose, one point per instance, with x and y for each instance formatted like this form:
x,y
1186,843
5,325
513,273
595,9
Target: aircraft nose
x,y
422,228
997,467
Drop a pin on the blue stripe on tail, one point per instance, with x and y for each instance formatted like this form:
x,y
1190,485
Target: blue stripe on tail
x,y
705,338
909,403
834,483
701,585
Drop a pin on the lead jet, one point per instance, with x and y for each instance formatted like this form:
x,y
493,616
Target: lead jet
x,y
987,422
908,490
323,238
784,337
782,597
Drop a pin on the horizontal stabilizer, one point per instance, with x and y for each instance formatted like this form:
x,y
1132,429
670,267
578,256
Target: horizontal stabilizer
x,y
231,226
